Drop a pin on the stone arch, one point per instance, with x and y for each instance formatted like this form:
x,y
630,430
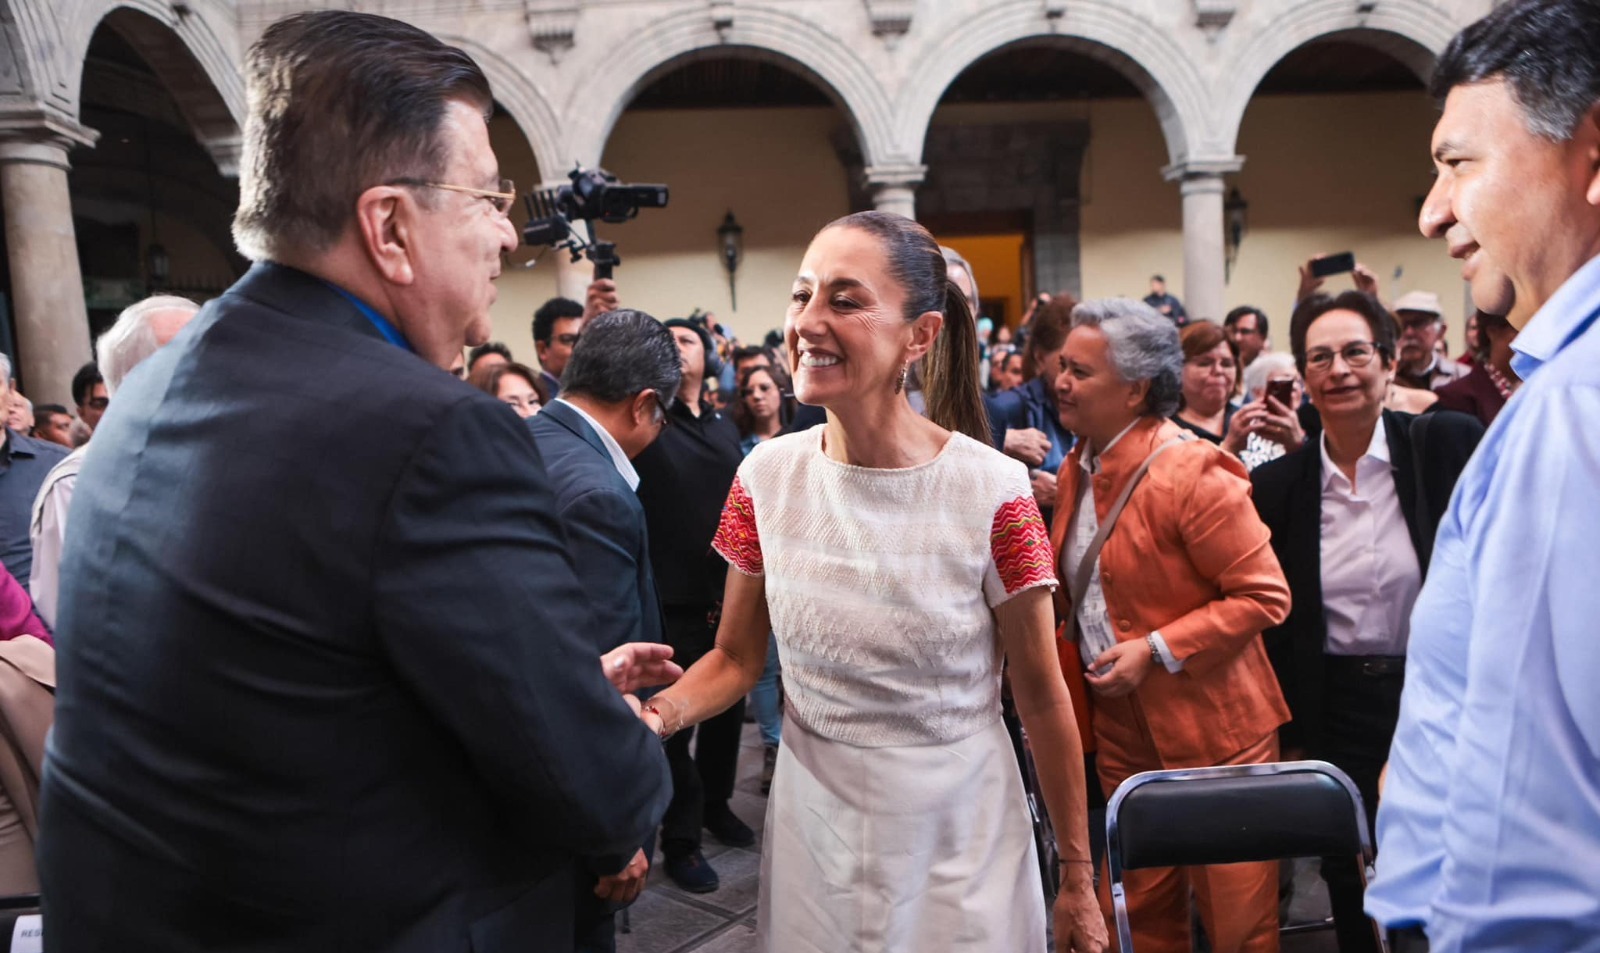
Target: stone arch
x,y
522,100
593,108
1147,55
1412,31
188,53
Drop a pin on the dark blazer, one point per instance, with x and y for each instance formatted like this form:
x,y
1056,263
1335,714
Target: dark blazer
x,y
1288,495
605,527
1030,405
684,478
325,683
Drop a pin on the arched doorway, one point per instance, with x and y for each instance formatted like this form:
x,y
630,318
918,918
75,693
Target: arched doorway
x,y
1337,137
1042,161
746,133
152,211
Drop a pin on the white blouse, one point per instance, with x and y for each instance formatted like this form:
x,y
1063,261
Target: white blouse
x,y
881,583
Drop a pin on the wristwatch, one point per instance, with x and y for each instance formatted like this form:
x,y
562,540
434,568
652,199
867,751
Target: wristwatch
x,y
1155,649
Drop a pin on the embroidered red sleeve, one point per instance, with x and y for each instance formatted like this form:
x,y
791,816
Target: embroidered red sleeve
x,y
736,536
1021,545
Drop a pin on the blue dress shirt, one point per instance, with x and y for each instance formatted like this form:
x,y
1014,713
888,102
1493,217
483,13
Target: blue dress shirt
x,y
385,327
1489,830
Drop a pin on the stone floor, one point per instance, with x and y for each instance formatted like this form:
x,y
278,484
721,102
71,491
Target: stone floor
x,y
669,920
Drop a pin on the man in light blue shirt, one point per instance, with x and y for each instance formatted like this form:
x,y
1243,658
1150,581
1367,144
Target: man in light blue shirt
x,y
1489,832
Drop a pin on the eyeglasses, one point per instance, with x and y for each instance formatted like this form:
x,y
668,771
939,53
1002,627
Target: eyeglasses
x,y
661,405
566,340
501,200
1209,364
1355,354
1418,322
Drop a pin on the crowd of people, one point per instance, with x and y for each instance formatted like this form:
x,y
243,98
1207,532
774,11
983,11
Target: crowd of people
x,y
356,632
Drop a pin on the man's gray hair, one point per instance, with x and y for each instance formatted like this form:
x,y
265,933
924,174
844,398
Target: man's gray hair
x,y
953,259
1143,345
5,370
131,339
1263,367
620,354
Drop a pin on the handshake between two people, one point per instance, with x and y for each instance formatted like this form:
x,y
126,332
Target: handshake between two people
x,y
637,665
631,667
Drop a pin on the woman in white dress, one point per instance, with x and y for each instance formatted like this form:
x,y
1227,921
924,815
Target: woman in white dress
x,y
899,560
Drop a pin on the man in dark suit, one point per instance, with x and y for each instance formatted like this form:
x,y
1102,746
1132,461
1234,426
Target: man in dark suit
x,y
323,683
621,378
684,481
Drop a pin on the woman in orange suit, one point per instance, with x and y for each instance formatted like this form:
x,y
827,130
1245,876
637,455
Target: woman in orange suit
x,y
1168,623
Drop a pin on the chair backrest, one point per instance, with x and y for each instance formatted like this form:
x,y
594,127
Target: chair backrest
x,y
1229,815
1234,814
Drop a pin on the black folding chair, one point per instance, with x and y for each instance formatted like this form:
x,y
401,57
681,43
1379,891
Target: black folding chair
x,y
1230,815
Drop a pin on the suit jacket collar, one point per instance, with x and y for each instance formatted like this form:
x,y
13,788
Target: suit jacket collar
x,y
1403,460
574,419
297,294
563,414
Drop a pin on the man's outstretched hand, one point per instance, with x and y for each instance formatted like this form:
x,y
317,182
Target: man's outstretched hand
x,y
639,665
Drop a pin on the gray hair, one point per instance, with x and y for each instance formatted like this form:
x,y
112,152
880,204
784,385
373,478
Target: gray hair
x,y
953,259
620,354
5,370
131,339
1263,367
1143,346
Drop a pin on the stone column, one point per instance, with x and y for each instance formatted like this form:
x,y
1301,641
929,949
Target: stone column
x,y
46,281
1204,249
894,187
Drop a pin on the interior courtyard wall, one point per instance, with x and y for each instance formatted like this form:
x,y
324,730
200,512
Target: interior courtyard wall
x,y
551,60
776,169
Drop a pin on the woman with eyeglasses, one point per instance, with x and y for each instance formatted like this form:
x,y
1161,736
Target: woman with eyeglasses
x,y
1353,515
513,384
1210,377
764,405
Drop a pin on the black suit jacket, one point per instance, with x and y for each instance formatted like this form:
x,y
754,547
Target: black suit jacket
x,y
1288,496
324,682
605,528
684,478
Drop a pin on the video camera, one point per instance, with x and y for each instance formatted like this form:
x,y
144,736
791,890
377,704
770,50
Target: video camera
x,y
594,195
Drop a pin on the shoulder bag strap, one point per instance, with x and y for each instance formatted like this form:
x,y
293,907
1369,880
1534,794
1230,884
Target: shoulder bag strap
x,y
1080,578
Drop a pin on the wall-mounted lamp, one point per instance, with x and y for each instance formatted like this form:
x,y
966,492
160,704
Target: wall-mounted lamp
x,y
1235,212
158,265
730,237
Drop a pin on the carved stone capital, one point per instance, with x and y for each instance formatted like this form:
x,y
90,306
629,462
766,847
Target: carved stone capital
x,y
1212,15
1203,171
895,176
551,24
36,134
722,16
891,18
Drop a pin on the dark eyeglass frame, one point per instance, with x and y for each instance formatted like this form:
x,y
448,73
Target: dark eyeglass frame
x,y
666,418
1321,358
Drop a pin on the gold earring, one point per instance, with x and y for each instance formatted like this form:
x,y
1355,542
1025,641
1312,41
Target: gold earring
x,y
900,382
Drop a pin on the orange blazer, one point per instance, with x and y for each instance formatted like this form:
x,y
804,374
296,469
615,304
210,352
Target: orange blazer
x,y
1189,558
